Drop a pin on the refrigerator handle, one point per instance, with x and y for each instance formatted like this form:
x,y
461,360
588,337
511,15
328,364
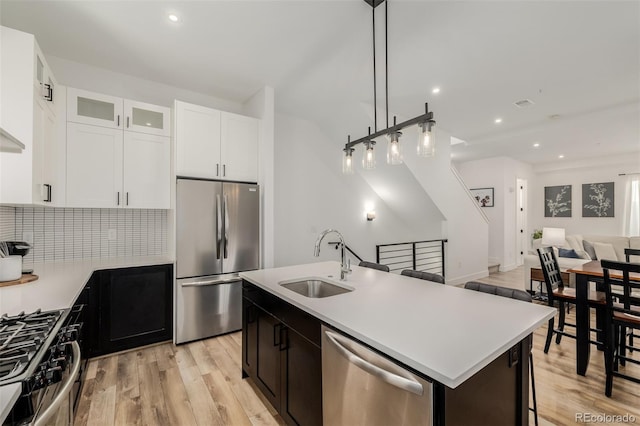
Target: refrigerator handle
x,y
226,227
218,226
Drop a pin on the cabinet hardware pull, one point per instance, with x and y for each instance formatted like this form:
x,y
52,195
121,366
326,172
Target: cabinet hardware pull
x,y
217,169
127,122
276,332
127,198
118,120
48,199
224,170
118,202
284,339
49,95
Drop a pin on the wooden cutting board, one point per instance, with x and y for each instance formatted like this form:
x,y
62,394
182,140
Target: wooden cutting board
x,y
26,278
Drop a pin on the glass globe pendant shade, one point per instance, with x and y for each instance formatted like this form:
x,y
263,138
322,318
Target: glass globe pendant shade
x,y
369,156
347,161
394,149
426,144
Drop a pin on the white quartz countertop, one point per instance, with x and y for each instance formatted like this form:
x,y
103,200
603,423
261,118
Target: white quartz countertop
x,y
445,332
60,283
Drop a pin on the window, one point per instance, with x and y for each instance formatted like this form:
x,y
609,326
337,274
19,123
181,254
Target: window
x,y
632,207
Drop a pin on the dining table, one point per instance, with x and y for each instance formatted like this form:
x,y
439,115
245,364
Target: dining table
x,y
584,274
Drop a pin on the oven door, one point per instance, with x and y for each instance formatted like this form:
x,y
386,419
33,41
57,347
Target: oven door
x,y
55,402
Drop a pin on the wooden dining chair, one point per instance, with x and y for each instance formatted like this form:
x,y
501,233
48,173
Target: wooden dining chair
x,y
422,275
620,315
372,265
627,254
518,295
558,294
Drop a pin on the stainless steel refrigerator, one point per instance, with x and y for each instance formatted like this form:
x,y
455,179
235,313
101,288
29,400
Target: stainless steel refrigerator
x,y
218,236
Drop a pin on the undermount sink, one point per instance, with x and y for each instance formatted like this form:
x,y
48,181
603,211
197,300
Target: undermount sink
x,y
314,287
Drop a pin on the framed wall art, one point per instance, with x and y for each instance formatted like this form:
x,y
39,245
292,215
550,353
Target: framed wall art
x,y
484,196
557,201
598,199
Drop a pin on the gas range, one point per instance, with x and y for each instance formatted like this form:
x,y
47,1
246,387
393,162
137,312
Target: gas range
x,y
23,339
39,351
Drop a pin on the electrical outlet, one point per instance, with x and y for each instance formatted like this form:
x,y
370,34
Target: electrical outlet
x,y
112,235
27,237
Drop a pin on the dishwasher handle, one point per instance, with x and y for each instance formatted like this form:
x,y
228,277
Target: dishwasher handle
x,y
384,375
205,283
44,417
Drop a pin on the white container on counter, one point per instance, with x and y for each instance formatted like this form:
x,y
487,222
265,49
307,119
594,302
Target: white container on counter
x,y
10,268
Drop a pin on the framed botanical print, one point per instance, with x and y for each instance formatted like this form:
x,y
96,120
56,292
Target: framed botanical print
x,y
597,199
557,201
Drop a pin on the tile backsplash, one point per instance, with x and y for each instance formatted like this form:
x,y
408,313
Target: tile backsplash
x,y
68,233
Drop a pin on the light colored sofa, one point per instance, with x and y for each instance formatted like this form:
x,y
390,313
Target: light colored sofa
x,y
576,242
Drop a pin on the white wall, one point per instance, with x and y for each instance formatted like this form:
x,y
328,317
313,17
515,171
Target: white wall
x,y
82,76
575,174
312,194
262,105
466,229
501,174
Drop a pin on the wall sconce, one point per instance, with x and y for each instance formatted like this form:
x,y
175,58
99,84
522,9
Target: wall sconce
x,y
371,215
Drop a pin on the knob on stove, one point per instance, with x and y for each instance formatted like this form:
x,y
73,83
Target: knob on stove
x,y
53,375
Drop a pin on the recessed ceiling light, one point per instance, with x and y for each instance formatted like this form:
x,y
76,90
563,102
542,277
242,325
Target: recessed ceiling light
x,y
173,17
498,120
560,156
536,145
435,90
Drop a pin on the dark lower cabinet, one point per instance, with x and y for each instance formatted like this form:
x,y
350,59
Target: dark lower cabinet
x,y
301,400
281,354
127,308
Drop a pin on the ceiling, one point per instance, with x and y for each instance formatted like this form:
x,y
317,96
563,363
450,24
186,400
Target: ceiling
x,y
577,61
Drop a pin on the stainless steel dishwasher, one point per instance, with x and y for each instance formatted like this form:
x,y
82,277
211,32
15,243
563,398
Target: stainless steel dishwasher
x,y
361,387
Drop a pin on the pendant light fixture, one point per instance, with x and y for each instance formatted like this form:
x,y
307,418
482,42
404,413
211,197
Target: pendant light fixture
x,y
425,121
369,156
426,146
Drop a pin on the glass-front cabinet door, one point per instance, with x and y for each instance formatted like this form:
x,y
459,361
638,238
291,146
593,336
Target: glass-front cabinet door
x,y
146,118
94,108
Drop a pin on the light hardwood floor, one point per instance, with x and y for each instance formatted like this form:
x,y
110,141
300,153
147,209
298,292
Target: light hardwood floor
x,y
200,384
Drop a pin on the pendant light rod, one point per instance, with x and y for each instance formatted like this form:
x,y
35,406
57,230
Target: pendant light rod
x,y
426,117
386,60
375,98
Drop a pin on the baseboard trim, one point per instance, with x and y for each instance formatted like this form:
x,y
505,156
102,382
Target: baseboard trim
x,y
507,268
469,277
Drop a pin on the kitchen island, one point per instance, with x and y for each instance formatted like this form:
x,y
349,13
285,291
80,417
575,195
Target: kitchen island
x,y
472,346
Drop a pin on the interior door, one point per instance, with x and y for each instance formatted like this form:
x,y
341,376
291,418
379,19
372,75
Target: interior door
x,y
241,247
522,238
199,228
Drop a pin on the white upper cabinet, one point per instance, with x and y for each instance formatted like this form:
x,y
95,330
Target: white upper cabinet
x,y
117,113
94,108
214,144
118,152
94,166
146,171
239,147
197,141
30,112
146,118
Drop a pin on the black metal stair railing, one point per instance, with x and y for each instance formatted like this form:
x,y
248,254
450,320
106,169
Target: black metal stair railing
x,y
336,245
426,255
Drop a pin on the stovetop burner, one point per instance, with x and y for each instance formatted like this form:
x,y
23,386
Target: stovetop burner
x,y
21,337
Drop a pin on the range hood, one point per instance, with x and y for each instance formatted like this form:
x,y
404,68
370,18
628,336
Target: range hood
x,y
8,143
